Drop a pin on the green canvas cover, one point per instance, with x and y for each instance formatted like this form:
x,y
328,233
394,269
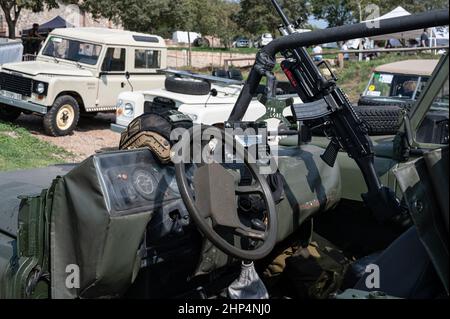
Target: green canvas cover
x,y
311,186
425,185
85,233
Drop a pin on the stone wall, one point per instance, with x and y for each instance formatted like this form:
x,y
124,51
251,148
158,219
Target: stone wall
x,y
179,58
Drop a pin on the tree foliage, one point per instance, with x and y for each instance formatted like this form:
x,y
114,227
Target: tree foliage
x,y
340,12
208,17
257,17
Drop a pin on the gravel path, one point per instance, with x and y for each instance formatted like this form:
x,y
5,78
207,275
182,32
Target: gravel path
x,y
92,134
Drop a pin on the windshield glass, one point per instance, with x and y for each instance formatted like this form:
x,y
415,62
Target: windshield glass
x,y
442,99
72,50
392,85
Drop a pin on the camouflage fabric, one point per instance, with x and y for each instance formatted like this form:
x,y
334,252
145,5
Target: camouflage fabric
x,y
314,272
153,130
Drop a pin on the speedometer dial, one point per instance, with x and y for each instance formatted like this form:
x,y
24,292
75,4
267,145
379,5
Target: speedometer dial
x,y
144,183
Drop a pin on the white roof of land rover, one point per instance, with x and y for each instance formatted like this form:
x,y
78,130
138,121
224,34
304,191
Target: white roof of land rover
x,y
410,67
112,36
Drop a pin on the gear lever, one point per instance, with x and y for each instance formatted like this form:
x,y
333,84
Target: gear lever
x,y
248,285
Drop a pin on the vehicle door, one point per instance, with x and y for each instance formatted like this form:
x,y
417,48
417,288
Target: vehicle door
x,y
144,68
428,120
112,78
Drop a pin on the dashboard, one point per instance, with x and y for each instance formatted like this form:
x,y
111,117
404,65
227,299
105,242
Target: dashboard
x,y
134,182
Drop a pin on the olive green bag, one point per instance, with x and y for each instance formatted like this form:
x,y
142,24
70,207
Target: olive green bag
x,y
86,236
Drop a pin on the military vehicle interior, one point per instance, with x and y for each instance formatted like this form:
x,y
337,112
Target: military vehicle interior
x,y
138,228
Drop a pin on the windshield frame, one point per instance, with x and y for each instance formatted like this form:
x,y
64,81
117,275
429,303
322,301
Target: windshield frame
x,y
425,102
99,56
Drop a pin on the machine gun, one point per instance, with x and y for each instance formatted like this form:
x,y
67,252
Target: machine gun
x,y
324,101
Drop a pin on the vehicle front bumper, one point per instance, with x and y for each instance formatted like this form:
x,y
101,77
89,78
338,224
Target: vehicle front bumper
x,y
118,128
25,105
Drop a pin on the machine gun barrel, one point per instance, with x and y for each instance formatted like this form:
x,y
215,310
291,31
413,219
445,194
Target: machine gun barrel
x,y
281,13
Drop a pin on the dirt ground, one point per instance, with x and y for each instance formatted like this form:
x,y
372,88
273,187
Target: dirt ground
x,y
92,135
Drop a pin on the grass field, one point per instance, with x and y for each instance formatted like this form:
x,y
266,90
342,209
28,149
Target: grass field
x,y
19,149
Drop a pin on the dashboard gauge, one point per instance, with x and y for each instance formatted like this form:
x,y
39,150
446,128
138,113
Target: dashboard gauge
x,y
144,183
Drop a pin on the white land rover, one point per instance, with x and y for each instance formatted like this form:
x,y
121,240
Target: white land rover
x,y
80,71
205,99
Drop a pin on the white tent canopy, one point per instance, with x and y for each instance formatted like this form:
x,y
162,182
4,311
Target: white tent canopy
x,y
397,12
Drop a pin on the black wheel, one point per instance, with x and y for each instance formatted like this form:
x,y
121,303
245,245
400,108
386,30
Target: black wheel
x,y
202,42
187,86
381,120
63,116
9,113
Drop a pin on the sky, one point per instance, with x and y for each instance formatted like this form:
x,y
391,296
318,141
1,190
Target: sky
x,y
319,23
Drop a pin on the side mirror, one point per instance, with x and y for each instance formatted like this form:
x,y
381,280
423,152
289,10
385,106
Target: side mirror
x,y
127,75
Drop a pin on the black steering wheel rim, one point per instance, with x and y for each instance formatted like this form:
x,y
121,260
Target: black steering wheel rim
x,y
206,228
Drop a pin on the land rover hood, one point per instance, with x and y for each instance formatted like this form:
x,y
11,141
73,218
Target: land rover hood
x,y
39,67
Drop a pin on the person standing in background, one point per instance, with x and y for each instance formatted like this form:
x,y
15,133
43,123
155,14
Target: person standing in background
x,y
344,47
317,50
34,32
425,39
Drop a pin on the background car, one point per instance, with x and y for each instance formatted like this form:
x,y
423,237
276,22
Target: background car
x,y
205,99
80,71
242,43
399,83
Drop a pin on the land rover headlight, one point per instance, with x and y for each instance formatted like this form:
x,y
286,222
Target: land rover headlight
x,y
128,109
40,88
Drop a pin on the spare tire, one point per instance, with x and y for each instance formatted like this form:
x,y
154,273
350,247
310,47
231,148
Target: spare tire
x,y
367,101
187,86
381,120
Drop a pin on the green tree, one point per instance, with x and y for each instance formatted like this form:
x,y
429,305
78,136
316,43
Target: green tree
x,y
208,17
340,12
227,28
335,12
137,15
215,18
13,8
256,16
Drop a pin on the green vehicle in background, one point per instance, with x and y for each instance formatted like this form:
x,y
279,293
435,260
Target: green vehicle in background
x,y
398,83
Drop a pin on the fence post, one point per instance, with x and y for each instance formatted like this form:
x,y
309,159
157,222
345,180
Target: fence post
x,y
341,60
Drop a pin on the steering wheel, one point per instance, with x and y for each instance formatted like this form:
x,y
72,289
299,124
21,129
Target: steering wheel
x,y
212,203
